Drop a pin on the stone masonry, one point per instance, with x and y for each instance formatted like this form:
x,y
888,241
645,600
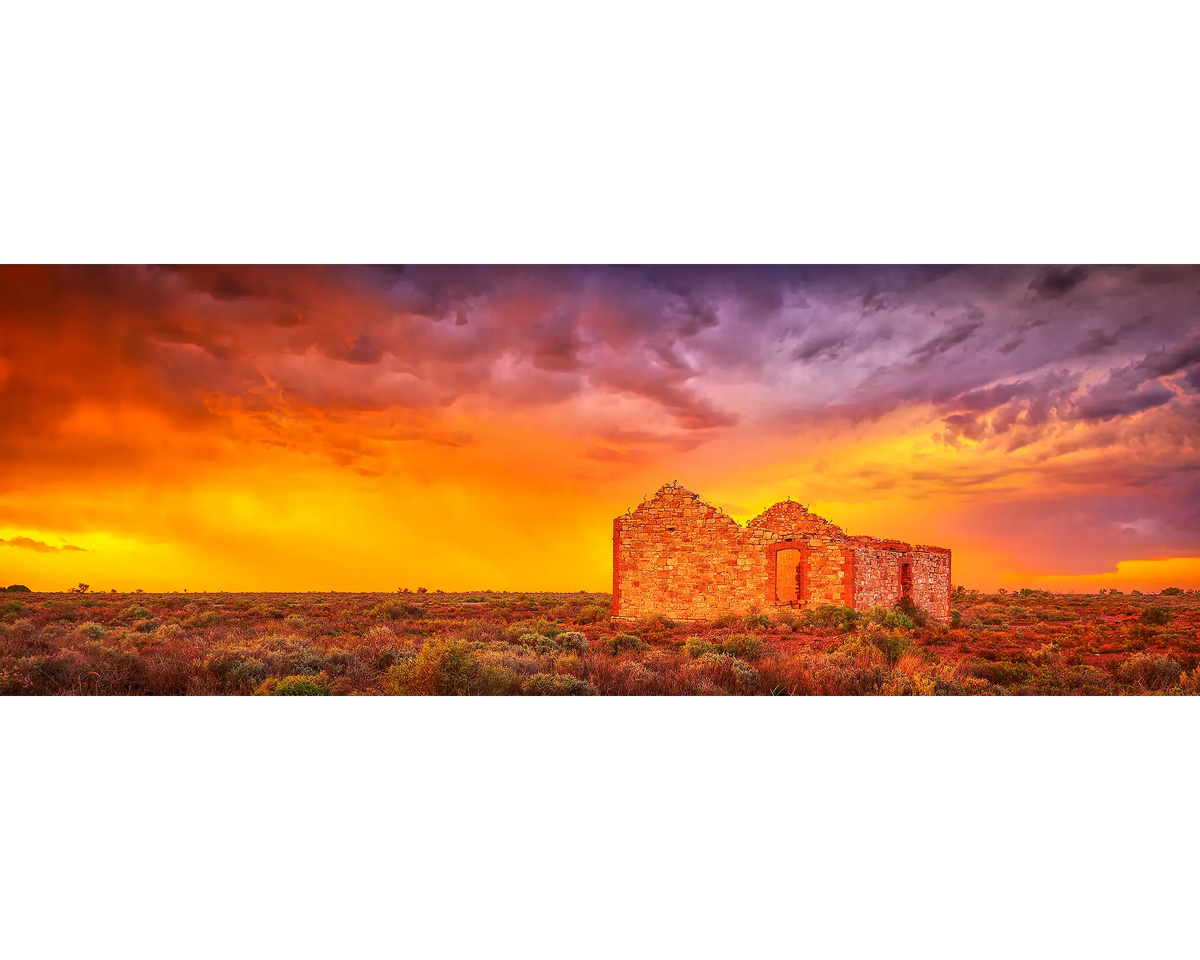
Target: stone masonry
x,y
678,556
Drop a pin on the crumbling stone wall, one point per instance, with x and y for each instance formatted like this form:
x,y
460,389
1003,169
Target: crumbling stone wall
x,y
877,581
678,556
931,580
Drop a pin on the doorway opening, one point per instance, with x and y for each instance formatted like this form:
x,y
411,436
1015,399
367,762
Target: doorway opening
x,y
787,575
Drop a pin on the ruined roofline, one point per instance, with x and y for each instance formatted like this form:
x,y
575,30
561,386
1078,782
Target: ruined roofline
x,y
676,487
856,540
877,543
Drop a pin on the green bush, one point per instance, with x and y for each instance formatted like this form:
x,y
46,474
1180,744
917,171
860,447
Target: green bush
x,y
593,613
726,672
210,618
300,686
1001,672
294,620
1165,591
398,610
907,608
235,667
17,588
619,643
1155,616
537,642
655,625
888,642
1150,671
573,640
442,669
890,619
743,646
134,612
556,685
546,628
696,647
832,615
146,626
93,631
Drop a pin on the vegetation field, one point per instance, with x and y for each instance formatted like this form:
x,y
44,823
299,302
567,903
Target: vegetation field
x,y
566,644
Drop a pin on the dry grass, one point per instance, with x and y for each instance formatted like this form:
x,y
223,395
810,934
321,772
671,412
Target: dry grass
x,y
559,644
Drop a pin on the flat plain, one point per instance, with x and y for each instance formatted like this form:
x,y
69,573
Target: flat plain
x,y
486,643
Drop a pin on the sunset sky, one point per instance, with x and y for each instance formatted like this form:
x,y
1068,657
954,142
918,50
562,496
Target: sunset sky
x,y
369,428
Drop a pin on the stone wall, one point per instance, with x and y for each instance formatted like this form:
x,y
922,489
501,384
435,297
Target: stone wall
x,y
678,556
876,577
675,555
931,580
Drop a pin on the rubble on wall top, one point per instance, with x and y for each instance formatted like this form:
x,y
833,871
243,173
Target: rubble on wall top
x,y
806,522
674,487
878,543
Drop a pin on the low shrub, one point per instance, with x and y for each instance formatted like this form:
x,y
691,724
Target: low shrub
x,y
890,619
697,647
831,615
546,628
210,618
593,613
294,620
653,626
1001,673
727,673
1151,671
891,643
299,686
556,685
907,608
757,621
743,646
619,643
135,612
93,631
572,640
442,669
1155,616
537,642
390,656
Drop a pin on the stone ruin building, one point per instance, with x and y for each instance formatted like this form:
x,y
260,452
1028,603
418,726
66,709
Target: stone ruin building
x,y
678,556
